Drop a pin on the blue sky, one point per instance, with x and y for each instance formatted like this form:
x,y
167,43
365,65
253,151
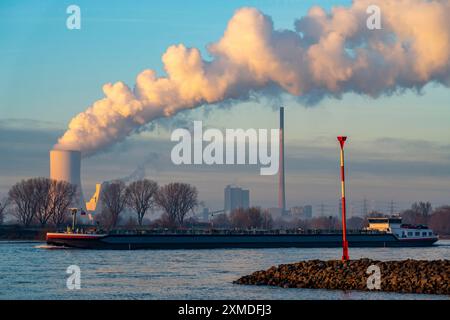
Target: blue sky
x,y
399,145
118,39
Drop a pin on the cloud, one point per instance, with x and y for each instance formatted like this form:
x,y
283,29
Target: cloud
x,y
328,54
21,124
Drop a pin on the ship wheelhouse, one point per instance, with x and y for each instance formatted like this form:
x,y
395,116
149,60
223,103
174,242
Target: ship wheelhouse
x,y
402,231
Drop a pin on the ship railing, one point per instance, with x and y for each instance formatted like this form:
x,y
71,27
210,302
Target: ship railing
x,y
239,231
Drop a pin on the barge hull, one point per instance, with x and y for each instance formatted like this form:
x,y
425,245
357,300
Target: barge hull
x,y
163,242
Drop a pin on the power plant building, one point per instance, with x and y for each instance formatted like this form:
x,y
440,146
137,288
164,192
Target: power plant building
x,y
304,212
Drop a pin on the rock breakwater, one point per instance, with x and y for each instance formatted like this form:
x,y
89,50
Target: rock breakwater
x,y
407,276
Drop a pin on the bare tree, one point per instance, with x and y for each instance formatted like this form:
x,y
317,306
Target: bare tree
x,y
177,199
267,220
256,219
250,218
114,199
3,205
423,208
141,197
418,214
63,194
43,198
163,222
421,212
221,221
239,218
440,220
24,198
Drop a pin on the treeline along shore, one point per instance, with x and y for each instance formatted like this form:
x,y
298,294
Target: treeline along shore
x,y
33,206
407,276
18,232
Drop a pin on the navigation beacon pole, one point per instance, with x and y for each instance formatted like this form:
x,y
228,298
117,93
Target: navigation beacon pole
x,y
345,256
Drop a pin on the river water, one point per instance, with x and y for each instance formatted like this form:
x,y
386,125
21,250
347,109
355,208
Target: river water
x,y
29,271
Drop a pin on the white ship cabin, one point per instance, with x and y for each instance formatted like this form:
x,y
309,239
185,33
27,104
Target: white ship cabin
x,y
403,231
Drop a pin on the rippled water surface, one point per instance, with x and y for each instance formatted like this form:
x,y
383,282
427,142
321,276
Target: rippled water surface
x,y
28,271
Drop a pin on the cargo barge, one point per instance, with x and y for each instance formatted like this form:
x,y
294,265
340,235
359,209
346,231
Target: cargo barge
x,y
382,232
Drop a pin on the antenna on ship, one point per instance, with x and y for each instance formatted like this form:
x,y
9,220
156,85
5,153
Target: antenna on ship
x,y
74,212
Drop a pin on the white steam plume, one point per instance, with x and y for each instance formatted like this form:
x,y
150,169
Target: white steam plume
x,y
327,54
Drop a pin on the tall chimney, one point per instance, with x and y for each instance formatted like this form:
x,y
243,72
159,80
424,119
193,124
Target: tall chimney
x,y
281,182
65,165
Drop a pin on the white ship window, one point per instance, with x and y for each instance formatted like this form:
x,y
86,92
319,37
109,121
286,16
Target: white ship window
x,y
417,233
430,233
409,234
424,234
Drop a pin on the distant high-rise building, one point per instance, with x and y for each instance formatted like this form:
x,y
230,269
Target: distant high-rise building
x,y
236,197
307,211
245,198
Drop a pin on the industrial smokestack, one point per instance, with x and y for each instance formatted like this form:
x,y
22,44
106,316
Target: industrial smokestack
x,y
65,165
281,182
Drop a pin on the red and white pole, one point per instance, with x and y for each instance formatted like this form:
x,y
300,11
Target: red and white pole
x,y
345,256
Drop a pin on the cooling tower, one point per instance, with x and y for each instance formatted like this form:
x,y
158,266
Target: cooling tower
x,y
65,165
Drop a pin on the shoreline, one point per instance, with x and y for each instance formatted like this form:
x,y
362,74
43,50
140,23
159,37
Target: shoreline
x,y
15,233
401,276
